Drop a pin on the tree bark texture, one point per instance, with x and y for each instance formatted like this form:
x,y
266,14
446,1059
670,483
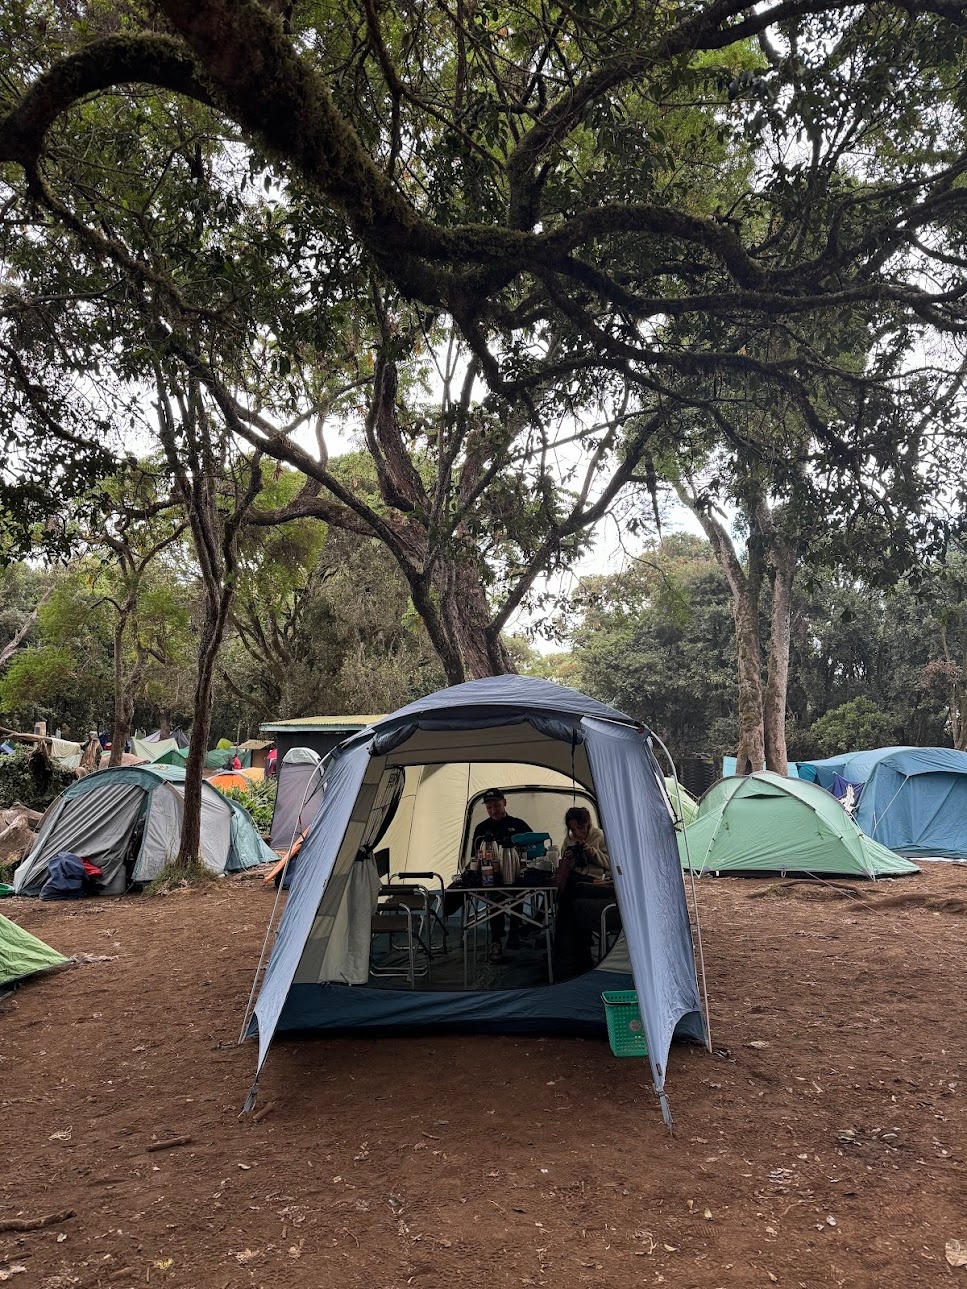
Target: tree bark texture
x,y
750,754
782,559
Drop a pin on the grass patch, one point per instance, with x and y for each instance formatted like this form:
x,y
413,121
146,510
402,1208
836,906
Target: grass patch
x,y
177,876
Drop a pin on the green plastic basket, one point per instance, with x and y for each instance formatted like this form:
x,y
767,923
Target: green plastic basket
x,y
626,1031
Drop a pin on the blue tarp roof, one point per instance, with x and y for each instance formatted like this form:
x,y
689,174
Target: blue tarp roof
x,y
856,767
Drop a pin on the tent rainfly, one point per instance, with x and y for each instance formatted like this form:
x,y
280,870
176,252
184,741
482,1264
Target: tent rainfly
x,y
912,799
764,823
297,796
683,803
318,972
22,955
130,819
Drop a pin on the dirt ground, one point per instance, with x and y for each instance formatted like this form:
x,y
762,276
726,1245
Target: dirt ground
x,y
824,1143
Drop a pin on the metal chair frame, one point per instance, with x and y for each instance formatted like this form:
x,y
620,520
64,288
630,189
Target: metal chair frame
x,y
435,904
604,947
395,914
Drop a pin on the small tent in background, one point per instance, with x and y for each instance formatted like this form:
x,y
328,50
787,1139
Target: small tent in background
x,y
683,803
764,823
256,750
226,779
150,746
912,799
22,955
318,975
298,796
152,749
129,821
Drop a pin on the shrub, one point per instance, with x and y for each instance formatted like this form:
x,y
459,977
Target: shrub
x,y
258,799
28,776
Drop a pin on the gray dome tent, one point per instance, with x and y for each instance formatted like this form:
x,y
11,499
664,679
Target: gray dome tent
x,y
134,814
312,981
297,797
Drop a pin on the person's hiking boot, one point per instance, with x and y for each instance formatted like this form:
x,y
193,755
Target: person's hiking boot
x,y
495,952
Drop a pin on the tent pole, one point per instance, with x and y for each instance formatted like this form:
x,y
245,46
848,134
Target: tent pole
x,y
278,895
698,923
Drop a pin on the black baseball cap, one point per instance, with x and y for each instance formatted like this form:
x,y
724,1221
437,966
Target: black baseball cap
x,y
494,794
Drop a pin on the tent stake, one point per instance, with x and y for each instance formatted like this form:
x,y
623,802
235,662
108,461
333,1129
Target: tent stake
x,y
250,1099
666,1111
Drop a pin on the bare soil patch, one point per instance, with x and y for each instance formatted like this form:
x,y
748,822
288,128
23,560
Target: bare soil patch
x,y
823,1144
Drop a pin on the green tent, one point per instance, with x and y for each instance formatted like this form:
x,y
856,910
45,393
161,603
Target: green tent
x,y
22,954
685,805
763,823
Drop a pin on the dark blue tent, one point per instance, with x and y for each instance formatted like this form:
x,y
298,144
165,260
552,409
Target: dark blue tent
x,y
913,799
310,984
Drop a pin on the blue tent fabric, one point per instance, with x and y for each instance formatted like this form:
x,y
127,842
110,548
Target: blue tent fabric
x,y
318,855
651,896
481,697
66,880
846,793
854,766
570,1007
648,881
914,799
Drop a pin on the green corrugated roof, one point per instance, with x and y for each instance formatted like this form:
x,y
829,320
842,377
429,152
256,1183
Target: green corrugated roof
x,y
296,723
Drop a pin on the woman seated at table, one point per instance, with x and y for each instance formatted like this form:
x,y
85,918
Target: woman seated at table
x,y
584,888
584,852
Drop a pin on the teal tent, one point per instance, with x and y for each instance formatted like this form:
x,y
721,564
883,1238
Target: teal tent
x,y
22,954
763,823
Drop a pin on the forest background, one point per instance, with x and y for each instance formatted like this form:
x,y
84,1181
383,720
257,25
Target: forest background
x,y
549,265
337,634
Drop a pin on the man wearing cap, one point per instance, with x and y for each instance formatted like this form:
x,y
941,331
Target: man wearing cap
x,y
499,827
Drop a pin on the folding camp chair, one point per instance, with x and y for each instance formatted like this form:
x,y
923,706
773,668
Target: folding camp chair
x,y
609,930
406,914
435,904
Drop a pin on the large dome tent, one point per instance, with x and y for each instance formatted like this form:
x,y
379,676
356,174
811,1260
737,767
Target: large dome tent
x,y
313,981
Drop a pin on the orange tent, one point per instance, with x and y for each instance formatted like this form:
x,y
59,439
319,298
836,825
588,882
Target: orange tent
x,y
230,779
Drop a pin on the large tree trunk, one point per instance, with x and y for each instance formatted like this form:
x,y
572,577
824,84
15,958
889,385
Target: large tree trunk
x,y
467,618
750,754
210,636
751,750
124,690
777,681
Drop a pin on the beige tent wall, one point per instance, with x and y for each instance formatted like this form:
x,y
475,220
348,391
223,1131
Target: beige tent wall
x,y
425,835
428,829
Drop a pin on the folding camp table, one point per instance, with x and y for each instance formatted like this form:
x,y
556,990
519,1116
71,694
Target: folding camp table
x,y
481,904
